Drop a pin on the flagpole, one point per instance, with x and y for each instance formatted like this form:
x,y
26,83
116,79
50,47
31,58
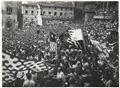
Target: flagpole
x,y
39,17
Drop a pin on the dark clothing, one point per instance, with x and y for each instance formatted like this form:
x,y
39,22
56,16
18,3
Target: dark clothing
x,y
19,82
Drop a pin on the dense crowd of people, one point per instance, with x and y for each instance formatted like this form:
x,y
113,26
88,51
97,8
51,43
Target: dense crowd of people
x,y
73,67
100,28
106,12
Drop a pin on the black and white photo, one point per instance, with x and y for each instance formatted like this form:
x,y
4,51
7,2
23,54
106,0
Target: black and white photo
x,y
60,44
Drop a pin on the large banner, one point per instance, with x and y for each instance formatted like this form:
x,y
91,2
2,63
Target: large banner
x,y
12,65
73,38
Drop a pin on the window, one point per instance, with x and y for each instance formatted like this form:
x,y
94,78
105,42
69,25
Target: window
x,y
60,13
26,6
9,10
55,13
26,12
55,8
65,14
49,13
61,8
25,18
71,9
43,12
49,7
32,12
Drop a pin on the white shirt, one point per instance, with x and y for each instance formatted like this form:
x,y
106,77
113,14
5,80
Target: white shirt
x,y
29,83
60,75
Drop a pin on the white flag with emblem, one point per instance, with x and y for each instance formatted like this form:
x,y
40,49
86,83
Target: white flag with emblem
x,y
76,37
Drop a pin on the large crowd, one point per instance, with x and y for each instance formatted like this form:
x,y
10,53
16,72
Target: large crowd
x,y
73,67
106,12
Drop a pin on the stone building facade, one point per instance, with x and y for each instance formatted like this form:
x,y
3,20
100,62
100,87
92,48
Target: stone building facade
x,y
49,11
10,13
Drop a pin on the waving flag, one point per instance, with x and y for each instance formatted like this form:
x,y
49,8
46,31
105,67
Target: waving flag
x,y
73,38
53,44
76,37
101,48
12,65
39,17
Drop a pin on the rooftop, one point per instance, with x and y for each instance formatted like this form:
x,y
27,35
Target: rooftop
x,y
52,4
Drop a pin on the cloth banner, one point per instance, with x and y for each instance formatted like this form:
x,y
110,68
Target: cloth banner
x,y
11,65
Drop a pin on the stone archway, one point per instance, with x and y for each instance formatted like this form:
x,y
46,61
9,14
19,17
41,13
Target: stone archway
x,y
9,22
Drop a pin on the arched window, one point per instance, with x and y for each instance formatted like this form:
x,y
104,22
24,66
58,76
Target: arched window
x,y
43,12
61,13
55,13
9,10
26,12
49,13
32,12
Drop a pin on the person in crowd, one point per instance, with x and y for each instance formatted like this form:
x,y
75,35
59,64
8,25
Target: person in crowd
x,y
19,79
29,82
60,75
34,76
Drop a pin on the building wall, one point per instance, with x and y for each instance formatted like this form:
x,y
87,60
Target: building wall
x,y
60,12
79,5
47,13
29,9
9,13
29,13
